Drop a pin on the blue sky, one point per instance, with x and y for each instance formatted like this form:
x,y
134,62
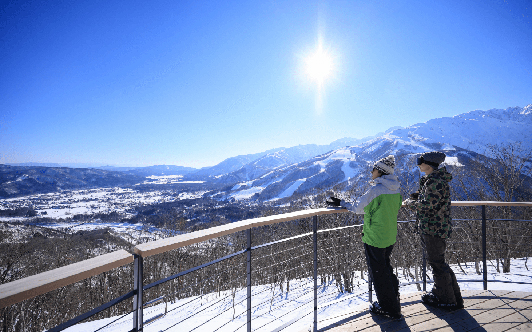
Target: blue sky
x,y
192,83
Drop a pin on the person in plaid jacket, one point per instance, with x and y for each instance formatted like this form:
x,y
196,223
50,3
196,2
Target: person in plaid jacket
x,y
432,204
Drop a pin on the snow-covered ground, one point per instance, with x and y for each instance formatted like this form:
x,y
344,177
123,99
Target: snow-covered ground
x,y
132,233
273,308
66,204
167,179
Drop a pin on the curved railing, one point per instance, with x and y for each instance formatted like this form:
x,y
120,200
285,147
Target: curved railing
x,y
275,268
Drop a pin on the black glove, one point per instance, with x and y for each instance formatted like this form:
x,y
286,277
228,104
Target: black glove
x,y
333,201
414,196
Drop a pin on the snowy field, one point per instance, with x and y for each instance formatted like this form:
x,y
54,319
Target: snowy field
x,y
167,179
66,204
273,309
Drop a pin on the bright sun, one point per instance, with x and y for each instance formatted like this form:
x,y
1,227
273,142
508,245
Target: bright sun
x,y
319,65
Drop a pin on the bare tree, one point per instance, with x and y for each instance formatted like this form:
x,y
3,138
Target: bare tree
x,y
503,176
504,172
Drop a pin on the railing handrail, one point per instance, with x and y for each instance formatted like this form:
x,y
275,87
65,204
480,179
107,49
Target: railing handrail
x,y
160,246
29,287
32,286
163,245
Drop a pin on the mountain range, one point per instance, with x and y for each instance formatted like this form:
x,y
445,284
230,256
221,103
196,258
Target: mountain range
x,y
29,180
281,172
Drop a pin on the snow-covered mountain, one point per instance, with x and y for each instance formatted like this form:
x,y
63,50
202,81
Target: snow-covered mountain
x,y
475,130
253,165
279,174
334,167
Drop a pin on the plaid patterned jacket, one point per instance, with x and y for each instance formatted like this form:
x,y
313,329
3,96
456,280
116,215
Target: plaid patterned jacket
x,y
434,203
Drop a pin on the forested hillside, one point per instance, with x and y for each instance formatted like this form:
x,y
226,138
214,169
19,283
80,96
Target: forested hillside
x,y
28,180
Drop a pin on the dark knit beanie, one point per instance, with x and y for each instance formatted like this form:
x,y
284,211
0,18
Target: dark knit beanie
x,y
385,165
433,158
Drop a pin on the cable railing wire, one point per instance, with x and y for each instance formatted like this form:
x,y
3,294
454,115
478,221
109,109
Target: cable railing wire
x,y
285,302
288,260
153,284
198,298
287,313
114,321
282,251
192,315
212,318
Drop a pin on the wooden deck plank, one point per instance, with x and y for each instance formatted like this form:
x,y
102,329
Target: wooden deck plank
x,y
412,309
527,313
481,307
435,323
390,325
361,315
351,316
505,323
499,316
365,322
522,303
460,320
484,311
526,327
474,315
495,315
426,318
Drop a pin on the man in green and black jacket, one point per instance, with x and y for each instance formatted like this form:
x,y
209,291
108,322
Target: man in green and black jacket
x,y
432,204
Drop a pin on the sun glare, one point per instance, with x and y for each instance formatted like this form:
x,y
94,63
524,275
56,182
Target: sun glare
x,y
319,66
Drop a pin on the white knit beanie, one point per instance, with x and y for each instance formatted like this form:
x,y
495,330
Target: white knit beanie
x,y
385,165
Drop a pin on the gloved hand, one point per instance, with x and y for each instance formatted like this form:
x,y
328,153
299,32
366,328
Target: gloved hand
x,y
333,201
409,202
414,196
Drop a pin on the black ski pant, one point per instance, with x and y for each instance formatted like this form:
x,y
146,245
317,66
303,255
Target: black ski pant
x,y
384,280
445,287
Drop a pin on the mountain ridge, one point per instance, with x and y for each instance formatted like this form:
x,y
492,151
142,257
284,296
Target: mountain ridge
x,y
521,116
462,137
280,172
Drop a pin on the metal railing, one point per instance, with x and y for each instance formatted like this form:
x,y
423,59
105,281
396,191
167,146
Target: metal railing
x,y
26,288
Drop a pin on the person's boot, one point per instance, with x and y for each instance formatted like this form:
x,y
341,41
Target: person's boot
x,y
377,309
432,300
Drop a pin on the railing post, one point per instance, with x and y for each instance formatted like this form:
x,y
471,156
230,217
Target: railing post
x,y
138,267
248,268
424,270
484,253
315,242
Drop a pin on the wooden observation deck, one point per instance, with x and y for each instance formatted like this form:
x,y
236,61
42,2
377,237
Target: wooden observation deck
x,y
485,310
